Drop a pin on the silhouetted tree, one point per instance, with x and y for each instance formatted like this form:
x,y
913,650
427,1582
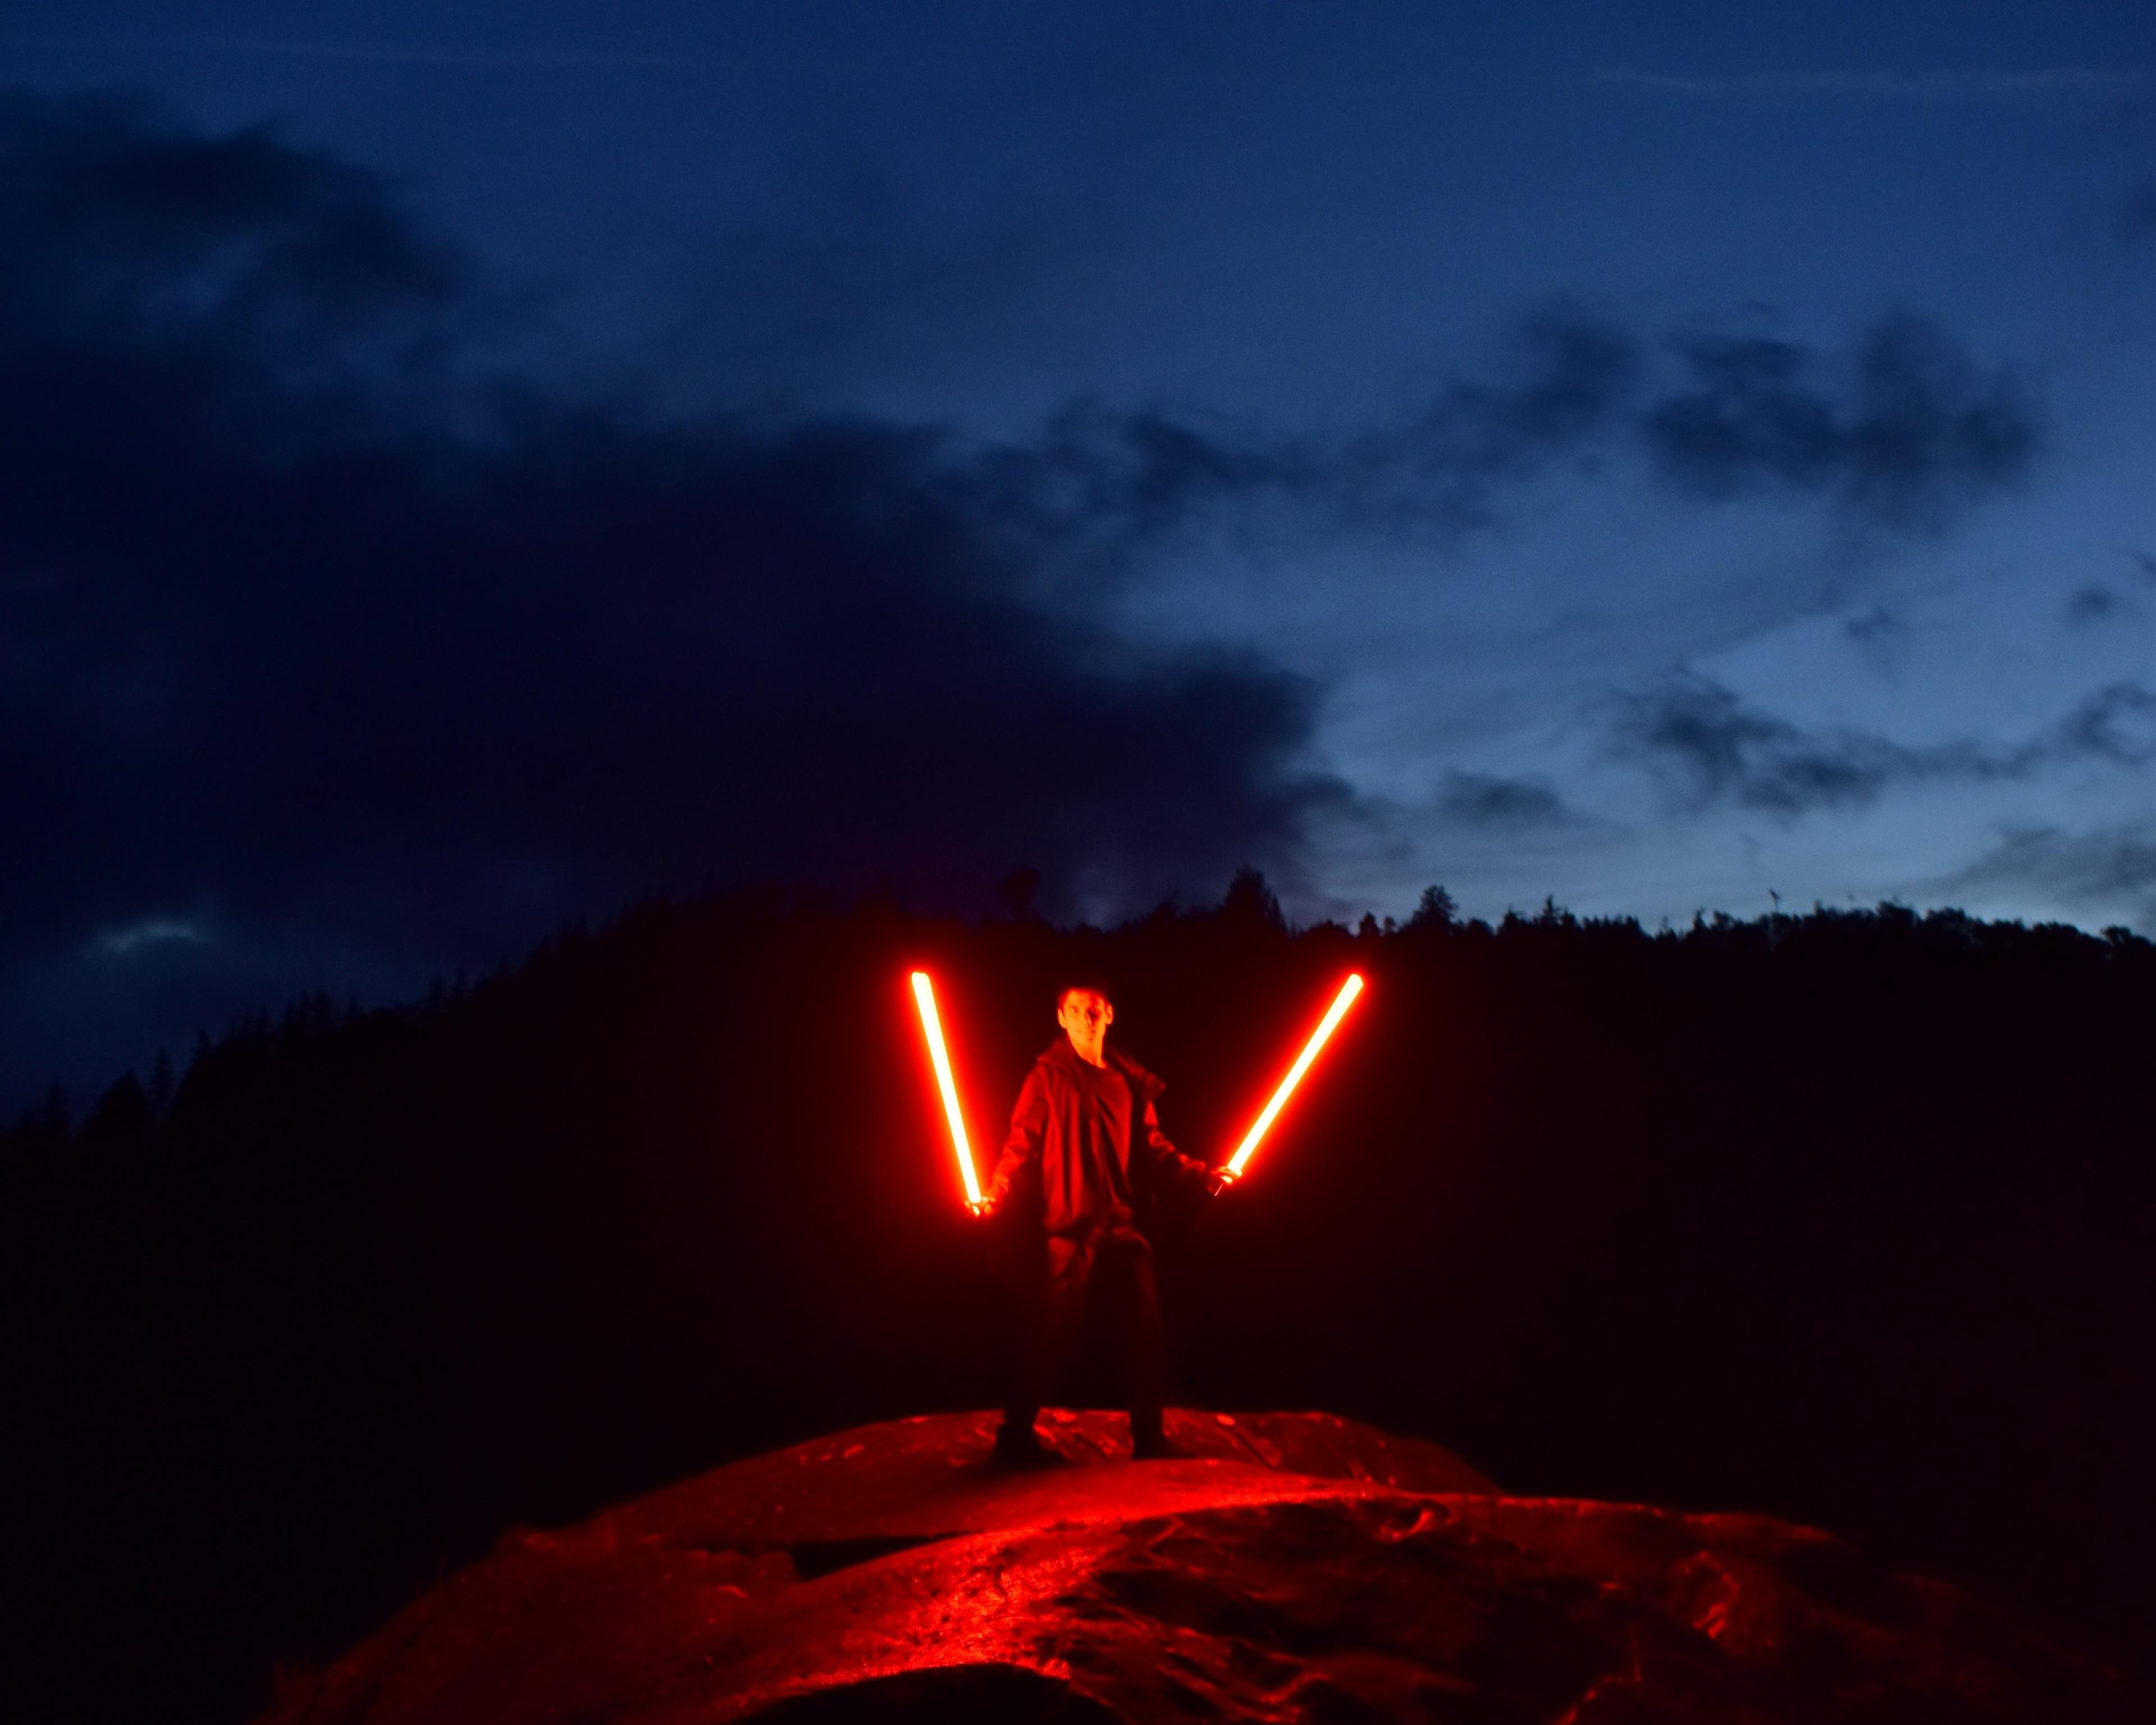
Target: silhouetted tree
x,y
163,1086
47,1122
1251,901
1435,910
1017,889
123,1118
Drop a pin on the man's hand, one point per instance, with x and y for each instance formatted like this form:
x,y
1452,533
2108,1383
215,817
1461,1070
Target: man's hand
x,y
983,1207
1218,1180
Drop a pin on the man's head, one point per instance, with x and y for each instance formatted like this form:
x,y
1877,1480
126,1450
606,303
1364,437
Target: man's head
x,y
1082,1009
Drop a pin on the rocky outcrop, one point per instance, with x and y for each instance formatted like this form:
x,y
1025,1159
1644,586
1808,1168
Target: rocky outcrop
x,y
1294,1567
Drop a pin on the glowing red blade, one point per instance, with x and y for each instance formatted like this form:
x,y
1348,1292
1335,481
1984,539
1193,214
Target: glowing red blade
x,y
1330,1021
924,996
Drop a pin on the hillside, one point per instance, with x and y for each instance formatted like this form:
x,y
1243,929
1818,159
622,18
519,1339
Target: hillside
x,y
1841,1219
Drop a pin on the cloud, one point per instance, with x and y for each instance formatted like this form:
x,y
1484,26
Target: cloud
x,y
2116,725
1881,632
1570,375
2096,604
1879,625
1485,800
278,641
118,942
1910,430
1112,481
126,235
2109,874
1905,431
1714,749
1720,750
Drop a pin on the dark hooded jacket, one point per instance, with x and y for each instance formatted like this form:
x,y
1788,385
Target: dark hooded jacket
x,y
1091,1136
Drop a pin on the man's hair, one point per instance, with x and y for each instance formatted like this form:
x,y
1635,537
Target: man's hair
x,y
1090,981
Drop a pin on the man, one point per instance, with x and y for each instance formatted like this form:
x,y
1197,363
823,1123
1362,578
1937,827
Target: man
x,y
1087,1142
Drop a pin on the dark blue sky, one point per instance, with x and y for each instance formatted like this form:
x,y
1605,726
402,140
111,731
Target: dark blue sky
x,y
467,470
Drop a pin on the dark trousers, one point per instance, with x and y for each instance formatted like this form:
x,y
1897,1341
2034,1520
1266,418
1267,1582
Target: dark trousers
x,y
1116,1266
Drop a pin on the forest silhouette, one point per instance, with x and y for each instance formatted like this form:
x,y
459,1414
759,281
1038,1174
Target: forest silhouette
x,y
1843,1217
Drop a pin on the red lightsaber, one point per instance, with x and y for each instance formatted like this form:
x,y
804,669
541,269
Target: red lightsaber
x,y
924,995
1330,1021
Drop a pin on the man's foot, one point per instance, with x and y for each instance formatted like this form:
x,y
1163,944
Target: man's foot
x,y
1157,1447
1020,1450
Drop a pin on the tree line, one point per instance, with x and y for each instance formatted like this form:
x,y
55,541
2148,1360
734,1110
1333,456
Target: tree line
x,y
1839,1216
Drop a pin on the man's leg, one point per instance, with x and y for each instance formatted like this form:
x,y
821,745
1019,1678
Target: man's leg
x,y
1055,1303
1145,1345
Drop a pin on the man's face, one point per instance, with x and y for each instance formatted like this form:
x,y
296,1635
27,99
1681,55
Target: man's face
x,y
1086,1016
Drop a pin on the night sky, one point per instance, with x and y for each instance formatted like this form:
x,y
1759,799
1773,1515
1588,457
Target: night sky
x,y
466,468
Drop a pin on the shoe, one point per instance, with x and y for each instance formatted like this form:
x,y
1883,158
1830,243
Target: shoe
x,y
1160,1448
1023,1452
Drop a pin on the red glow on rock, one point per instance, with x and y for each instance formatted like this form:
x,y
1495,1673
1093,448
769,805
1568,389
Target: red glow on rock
x,y
1292,1566
924,996
1318,1038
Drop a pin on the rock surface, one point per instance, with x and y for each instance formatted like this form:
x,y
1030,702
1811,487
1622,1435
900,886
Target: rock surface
x,y
1295,1567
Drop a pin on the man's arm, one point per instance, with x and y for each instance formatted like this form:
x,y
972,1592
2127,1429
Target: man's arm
x,y
1170,1164
1021,1146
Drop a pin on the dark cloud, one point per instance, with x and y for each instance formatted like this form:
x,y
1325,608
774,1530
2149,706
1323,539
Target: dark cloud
x,y
290,665
1571,376
1877,627
1485,800
1720,750
1108,482
2096,604
2116,725
1904,431
2108,874
122,233
1715,749
1111,482
1881,633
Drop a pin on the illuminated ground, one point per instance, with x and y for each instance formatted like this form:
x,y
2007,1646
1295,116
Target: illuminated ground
x,y
1297,1566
